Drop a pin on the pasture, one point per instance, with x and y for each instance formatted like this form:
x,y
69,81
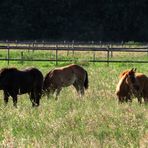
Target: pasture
x,y
95,120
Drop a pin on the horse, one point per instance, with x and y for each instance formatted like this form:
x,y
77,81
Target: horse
x,y
65,76
140,91
124,87
15,82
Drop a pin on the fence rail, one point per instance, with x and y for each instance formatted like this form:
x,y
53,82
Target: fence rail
x,y
108,47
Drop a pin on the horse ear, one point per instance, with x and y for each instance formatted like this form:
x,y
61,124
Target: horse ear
x,y
135,69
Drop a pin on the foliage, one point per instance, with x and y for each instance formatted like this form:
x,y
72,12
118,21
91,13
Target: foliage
x,y
109,20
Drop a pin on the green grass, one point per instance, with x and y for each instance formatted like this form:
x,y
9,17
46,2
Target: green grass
x,y
76,55
95,120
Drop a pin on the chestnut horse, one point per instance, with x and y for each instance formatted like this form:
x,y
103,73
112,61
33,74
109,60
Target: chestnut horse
x,y
14,82
124,86
65,76
140,91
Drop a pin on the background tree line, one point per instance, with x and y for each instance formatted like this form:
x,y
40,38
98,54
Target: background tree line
x,y
83,20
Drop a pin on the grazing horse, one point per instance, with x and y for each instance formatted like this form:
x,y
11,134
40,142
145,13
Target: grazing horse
x,y
14,82
139,92
124,86
65,76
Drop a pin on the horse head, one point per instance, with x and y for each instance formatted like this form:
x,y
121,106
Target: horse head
x,y
47,81
132,81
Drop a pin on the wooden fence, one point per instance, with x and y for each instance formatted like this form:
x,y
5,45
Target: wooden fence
x,y
107,47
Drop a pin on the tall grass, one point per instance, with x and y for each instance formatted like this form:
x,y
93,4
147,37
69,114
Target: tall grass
x,y
95,120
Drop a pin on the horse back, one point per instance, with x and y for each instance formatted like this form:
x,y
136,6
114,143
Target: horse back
x,y
7,75
21,79
35,73
143,81
65,76
80,71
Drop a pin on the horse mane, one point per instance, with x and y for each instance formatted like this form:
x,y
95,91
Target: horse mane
x,y
63,67
121,81
123,73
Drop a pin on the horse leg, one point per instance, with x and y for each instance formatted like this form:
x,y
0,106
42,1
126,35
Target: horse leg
x,y
13,94
79,87
37,94
14,100
35,98
32,98
82,90
120,99
50,92
76,87
58,92
6,97
138,95
146,100
128,98
139,99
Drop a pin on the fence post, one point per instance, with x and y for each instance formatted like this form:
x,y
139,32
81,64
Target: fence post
x,y
100,43
16,43
56,55
94,56
107,55
111,52
68,48
8,54
29,46
22,61
43,43
34,45
94,53
73,47
122,43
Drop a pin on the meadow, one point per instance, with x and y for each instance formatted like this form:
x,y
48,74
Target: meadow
x,y
95,120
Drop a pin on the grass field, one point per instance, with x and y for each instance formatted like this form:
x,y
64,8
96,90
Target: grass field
x,y
93,121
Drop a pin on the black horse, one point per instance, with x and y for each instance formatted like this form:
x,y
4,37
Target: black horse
x,y
15,82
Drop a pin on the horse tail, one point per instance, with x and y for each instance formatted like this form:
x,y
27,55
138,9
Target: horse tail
x,y
86,81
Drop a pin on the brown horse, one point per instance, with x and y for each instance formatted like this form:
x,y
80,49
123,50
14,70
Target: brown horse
x,y
138,88
124,86
15,82
65,76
